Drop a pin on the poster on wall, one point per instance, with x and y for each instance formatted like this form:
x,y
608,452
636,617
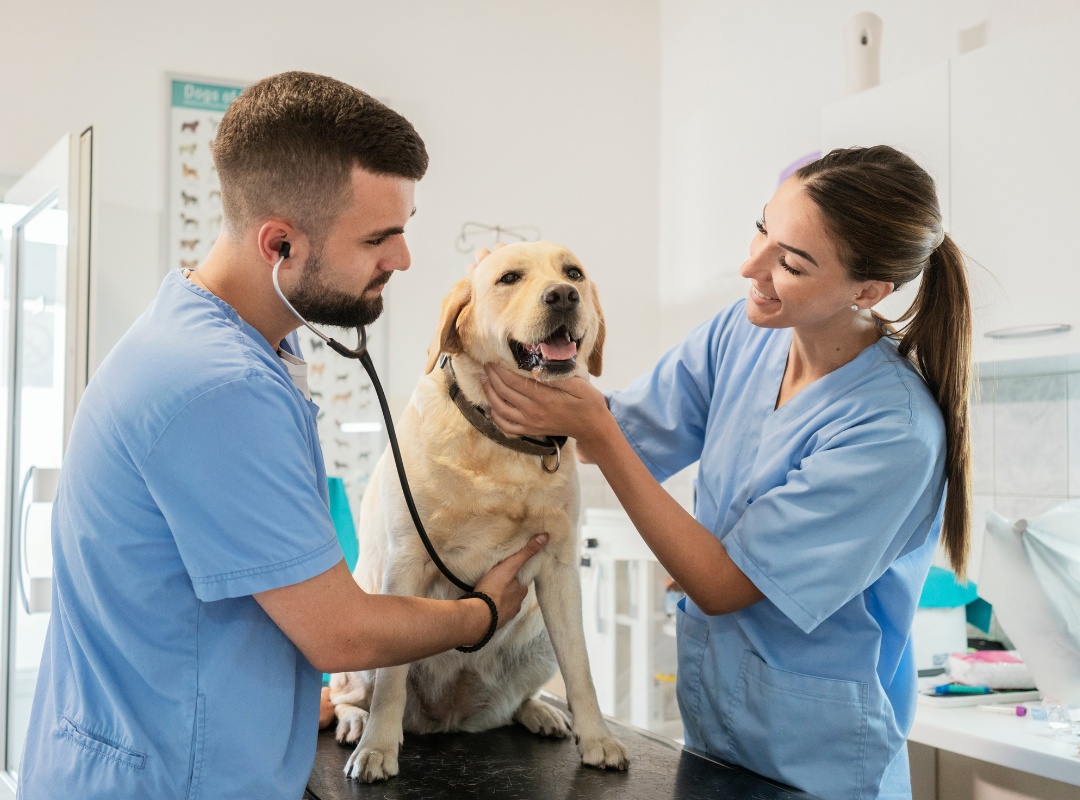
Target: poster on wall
x,y
350,423
193,207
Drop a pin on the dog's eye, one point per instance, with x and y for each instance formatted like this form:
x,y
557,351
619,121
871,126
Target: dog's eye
x,y
510,277
575,274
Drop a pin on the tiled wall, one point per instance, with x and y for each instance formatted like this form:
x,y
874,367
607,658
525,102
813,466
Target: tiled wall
x,y
1026,443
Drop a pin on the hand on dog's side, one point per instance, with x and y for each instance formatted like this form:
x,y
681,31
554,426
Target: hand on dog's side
x,y
501,582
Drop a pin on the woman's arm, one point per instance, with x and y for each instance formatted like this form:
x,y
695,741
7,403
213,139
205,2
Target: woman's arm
x,y
688,551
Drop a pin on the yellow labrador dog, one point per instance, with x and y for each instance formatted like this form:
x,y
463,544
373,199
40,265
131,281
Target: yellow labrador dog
x,y
529,306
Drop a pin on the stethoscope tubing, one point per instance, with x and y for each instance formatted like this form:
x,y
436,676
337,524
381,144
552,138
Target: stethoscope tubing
x,y
360,353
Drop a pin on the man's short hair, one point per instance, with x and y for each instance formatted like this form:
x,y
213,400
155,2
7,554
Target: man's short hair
x,y
287,146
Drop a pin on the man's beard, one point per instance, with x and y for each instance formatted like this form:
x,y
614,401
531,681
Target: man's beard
x,y
326,305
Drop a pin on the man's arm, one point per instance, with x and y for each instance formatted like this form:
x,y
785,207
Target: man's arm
x,y
339,627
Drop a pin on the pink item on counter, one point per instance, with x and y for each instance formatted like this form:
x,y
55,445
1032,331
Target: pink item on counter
x,y
998,669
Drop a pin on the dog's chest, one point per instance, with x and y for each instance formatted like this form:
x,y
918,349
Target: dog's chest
x,y
478,491
514,496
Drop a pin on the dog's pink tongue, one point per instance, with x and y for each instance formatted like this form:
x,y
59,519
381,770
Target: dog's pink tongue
x,y
562,350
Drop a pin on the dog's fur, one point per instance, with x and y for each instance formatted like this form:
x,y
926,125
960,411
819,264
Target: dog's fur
x,y
481,502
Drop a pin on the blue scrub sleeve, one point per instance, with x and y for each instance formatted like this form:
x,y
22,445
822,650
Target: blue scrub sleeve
x,y
663,413
233,474
842,517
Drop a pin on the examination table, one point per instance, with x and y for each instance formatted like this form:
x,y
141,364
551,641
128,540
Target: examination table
x,y
512,764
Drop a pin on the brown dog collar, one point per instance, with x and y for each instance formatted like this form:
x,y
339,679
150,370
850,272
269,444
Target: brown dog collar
x,y
547,447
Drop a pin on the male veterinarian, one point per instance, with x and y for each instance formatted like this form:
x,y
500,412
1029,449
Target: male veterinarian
x,y
199,589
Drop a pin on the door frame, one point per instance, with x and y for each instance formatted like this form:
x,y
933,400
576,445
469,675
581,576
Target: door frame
x,y
41,189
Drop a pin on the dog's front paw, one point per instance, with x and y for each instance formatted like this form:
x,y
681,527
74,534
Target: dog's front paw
x,y
350,724
543,719
370,765
604,752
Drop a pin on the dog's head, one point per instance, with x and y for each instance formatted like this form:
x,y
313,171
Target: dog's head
x,y
529,306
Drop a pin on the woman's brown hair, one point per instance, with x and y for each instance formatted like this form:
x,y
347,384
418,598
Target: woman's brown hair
x,y
882,211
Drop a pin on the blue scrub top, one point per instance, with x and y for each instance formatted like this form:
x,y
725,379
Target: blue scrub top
x,y
193,479
831,505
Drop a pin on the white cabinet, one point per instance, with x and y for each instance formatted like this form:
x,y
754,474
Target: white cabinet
x,y
999,130
1015,162
910,114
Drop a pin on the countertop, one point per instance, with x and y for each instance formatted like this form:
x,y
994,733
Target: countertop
x,y
1019,743
512,764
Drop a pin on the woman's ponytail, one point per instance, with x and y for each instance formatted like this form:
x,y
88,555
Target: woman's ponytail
x,y
938,341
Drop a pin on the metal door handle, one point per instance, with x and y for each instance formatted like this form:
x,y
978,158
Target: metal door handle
x,y
35,592
1029,331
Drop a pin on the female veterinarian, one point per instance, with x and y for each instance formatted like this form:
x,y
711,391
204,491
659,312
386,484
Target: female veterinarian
x,y
827,444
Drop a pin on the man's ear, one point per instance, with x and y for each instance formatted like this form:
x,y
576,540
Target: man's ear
x,y
596,357
452,319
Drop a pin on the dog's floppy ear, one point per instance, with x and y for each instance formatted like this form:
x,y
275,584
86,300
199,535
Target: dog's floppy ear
x,y
454,313
596,357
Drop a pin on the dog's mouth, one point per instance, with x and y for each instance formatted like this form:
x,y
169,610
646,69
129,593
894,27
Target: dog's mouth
x,y
556,354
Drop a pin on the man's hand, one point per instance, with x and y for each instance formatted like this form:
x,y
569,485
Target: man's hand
x,y
501,582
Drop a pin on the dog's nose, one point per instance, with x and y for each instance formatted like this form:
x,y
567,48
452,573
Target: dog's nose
x,y
561,297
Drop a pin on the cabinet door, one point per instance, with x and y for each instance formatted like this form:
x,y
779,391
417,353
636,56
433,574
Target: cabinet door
x,y
1015,158
910,114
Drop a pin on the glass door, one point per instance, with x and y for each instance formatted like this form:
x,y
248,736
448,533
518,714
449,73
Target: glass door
x,y
47,314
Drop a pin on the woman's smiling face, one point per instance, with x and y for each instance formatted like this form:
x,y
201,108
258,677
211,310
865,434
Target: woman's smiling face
x,y
796,277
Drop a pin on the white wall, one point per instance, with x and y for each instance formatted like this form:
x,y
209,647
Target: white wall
x,y
742,89
644,134
542,113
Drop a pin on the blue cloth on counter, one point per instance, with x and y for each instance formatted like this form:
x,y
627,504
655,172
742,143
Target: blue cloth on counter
x,y
942,590
980,614
831,505
193,479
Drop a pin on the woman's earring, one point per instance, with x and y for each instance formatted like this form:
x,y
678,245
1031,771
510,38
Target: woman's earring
x,y
854,306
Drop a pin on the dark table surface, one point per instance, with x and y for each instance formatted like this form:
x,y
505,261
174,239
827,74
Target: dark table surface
x,y
513,764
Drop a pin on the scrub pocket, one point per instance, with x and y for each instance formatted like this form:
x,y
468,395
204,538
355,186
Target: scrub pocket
x,y
99,746
803,730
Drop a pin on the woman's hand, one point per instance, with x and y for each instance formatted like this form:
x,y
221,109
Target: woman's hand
x,y
524,407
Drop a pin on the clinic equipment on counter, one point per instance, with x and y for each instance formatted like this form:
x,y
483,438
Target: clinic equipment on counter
x,y
960,688
360,353
1012,711
1031,575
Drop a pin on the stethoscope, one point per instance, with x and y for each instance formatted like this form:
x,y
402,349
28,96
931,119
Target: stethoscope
x,y
360,353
